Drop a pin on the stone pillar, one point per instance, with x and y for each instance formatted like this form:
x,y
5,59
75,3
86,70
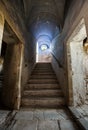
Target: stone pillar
x,y
11,95
1,29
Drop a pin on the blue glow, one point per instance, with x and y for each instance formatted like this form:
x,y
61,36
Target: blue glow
x,y
44,47
44,28
44,32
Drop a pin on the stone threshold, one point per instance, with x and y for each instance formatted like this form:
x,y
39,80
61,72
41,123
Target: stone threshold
x,y
78,118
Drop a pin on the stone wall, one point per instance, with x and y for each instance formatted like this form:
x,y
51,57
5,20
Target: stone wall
x,y
76,12
29,60
11,91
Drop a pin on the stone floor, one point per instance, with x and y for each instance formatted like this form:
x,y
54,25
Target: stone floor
x,y
37,119
80,115
83,110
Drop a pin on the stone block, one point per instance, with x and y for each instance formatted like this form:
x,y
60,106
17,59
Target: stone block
x,y
38,114
67,125
48,125
25,125
24,115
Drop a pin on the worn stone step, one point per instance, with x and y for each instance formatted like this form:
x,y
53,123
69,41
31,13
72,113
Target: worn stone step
x,y
44,74
43,64
39,66
42,89
38,73
42,69
41,81
42,86
43,92
51,102
43,77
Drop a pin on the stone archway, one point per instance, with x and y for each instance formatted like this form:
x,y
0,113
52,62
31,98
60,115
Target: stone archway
x,y
75,56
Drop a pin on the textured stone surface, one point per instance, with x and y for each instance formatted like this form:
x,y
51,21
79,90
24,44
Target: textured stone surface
x,y
83,123
12,76
25,125
44,97
53,115
77,64
3,116
48,125
38,115
80,116
67,125
83,109
25,115
76,113
64,114
40,119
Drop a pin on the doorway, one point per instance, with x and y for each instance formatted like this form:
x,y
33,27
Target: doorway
x,y
75,56
43,53
11,53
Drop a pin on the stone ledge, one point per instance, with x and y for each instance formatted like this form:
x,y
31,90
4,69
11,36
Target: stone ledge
x,y
83,124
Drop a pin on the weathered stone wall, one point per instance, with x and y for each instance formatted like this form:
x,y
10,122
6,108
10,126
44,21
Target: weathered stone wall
x,y
76,12
28,61
76,64
11,91
14,15
58,63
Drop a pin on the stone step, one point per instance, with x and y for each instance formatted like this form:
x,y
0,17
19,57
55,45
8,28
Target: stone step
x,y
47,67
44,74
41,81
43,67
43,77
51,72
52,102
42,89
42,86
43,71
37,68
43,92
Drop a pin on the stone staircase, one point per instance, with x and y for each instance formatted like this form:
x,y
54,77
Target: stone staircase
x,y
42,89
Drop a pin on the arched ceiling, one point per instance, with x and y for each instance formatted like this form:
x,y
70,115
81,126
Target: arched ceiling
x,y
43,18
44,10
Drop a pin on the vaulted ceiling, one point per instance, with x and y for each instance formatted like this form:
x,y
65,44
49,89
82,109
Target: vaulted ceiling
x,y
44,10
43,18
